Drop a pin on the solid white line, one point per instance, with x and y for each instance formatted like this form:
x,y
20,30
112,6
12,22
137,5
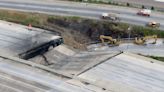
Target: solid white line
x,y
159,0
52,8
20,82
11,88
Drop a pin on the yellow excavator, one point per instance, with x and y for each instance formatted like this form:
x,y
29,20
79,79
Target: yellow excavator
x,y
142,40
110,40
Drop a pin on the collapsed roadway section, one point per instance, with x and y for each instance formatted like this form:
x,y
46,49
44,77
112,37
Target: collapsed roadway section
x,y
70,70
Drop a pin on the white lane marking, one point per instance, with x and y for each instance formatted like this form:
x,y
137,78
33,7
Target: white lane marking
x,y
20,82
52,8
14,89
159,0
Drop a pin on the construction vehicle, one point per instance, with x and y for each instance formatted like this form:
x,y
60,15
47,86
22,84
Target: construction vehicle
x,y
153,24
144,12
110,16
110,40
142,40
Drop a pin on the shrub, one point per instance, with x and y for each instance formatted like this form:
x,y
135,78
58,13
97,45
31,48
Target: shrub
x,y
152,8
143,7
127,4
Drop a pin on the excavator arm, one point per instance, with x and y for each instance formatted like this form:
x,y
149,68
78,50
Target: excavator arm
x,y
142,40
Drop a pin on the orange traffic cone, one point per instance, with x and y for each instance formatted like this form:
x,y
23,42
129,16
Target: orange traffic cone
x,y
29,27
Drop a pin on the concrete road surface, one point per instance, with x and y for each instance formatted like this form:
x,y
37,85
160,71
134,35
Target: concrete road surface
x,y
149,49
127,15
18,77
155,3
127,73
122,73
69,62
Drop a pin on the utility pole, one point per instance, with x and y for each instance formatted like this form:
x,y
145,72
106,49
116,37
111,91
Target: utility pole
x,y
129,31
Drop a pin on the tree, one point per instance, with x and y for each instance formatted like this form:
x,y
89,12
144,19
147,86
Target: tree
x,y
143,7
152,8
127,4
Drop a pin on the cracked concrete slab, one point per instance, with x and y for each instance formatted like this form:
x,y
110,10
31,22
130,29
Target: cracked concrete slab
x,y
72,62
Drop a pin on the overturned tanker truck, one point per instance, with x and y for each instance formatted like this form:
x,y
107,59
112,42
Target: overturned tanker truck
x,y
43,45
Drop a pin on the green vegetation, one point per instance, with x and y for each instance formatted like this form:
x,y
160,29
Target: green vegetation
x,y
157,58
148,31
152,8
23,18
94,1
111,2
128,4
143,7
95,27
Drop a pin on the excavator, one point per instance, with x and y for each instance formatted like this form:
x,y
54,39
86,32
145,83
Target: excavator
x,y
110,40
142,40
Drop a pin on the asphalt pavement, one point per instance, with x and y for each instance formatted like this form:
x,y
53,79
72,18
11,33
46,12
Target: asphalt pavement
x,y
147,3
127,15
146,49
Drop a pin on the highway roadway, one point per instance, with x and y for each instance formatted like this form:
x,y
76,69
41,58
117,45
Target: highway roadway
x,y
127,73
127,15
18,77
147,49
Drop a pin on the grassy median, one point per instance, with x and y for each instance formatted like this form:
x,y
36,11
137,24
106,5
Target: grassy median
x,y
76,31
157,58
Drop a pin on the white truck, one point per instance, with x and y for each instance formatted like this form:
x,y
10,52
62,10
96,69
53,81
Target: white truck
x,y
110,16
144,12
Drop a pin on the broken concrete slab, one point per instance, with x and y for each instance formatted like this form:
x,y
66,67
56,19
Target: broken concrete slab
x,y
72,62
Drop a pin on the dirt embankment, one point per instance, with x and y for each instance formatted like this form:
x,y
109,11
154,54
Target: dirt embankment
x,y
86,30
91,29
80,32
